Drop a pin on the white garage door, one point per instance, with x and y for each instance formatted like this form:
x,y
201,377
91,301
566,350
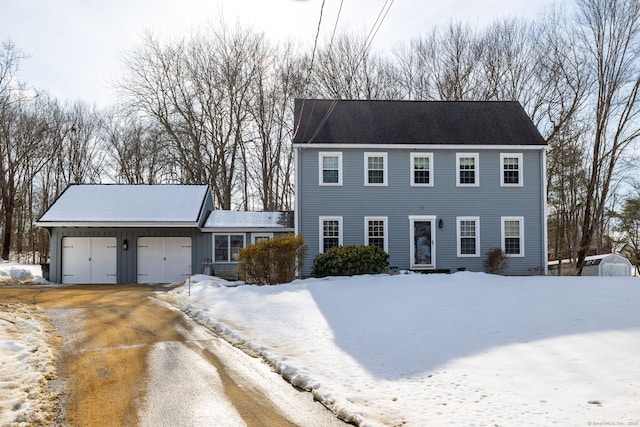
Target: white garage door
x,y
89,260
163,259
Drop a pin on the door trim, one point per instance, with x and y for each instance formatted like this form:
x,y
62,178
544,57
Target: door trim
x,y
422,218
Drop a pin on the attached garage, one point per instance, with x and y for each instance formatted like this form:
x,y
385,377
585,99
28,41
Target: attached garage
x,y
89,260
128,233
163,259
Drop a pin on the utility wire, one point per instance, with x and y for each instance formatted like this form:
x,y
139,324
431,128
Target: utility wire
x,y
367,44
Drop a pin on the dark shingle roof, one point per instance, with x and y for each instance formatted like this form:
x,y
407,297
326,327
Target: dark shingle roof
x,y
413,122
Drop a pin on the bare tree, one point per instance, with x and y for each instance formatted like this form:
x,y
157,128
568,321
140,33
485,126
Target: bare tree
x,y
610,34
267,156
137,151
197,90
346,68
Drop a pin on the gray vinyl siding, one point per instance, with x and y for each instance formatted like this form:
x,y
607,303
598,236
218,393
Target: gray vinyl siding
x,y
127,261
399,200
227,270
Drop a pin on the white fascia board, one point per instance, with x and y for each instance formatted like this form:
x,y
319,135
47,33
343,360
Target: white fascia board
x,y
246,230
420,146
117,224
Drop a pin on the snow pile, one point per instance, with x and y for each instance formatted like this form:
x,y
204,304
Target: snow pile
x,y
460,349
10,272
27,364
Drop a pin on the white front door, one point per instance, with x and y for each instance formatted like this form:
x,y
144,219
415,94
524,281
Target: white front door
x,y
423,241
89,260
163,259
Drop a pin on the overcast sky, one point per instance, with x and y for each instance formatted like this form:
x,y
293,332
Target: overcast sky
x,y
75,46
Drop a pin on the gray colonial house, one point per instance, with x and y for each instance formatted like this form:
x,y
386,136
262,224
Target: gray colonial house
x,y
435,184
148,233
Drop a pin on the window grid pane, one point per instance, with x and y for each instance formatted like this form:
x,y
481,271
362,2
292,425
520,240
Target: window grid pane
x,y
376,233
512,237
330,170
237,243
330,162
375,167
512,245
467,170
376,177
421,170
467,237
511,170
222,248
330,176
330,234
467,246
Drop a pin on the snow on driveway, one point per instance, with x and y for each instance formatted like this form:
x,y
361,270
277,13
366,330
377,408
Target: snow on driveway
x,y
461,349
27,364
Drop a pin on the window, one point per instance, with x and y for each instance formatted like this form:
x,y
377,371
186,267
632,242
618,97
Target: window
x,y
259,237
330,166
375,169
330,233
511,169
513,235
227,247
421,167
468,169
468,236
375,231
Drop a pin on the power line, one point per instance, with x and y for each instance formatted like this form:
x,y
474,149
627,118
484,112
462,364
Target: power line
x,y
367,44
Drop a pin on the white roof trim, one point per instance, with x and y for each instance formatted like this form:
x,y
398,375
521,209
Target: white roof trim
x,y
246,230
117,224
425,146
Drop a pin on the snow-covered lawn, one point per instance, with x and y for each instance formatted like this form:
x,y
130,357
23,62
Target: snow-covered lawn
x,y
461,349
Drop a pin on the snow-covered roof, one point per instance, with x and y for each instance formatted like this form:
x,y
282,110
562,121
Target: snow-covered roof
x,y
241,220
95,205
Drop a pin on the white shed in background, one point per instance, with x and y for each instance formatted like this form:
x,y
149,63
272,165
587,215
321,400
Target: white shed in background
x,y
595,265
607,265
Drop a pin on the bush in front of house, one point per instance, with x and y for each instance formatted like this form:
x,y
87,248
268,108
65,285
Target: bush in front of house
x,y
273,261
495,261
350,260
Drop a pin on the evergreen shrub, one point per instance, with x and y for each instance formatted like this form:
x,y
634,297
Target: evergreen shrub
x,y
351,260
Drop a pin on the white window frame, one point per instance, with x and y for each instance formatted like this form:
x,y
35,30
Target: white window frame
x,y
385,221
321,156
503,220
520,169
476,157
412,169
385,168
228,235
321,236
254,236
459,235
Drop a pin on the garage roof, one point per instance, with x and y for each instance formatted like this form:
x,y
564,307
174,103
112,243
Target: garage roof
x,y
241,220
127,205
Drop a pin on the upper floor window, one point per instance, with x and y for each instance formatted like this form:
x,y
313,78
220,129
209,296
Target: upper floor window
x,y
227,247
375,232
511,169
330,166
513,235
330,232
421,169
467,165
375,168
468,236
